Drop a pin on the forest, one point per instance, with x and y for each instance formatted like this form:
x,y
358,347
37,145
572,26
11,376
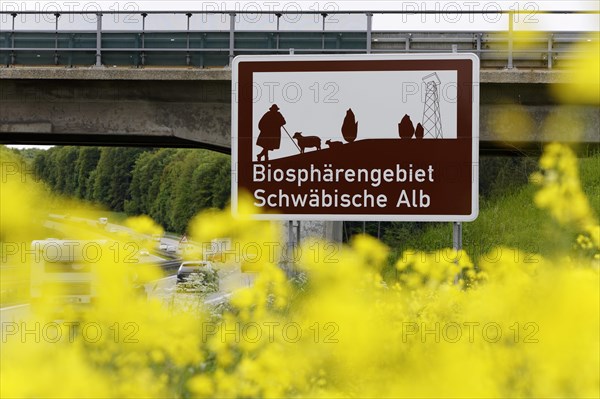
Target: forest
x,y
169,185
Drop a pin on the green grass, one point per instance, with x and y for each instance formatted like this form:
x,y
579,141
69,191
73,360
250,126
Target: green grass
x,y
508,218
115,217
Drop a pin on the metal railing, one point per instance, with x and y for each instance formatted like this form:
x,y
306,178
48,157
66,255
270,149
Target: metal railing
x,y
217,47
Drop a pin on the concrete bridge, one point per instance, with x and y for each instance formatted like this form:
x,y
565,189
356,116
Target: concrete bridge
x,y
174,88
192,107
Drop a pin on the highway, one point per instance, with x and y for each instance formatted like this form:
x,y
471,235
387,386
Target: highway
x,y
111,231
164,289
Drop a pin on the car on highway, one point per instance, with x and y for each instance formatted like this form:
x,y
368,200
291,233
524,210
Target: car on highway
x,y
194,266
162,246
197,276
62,273
171,249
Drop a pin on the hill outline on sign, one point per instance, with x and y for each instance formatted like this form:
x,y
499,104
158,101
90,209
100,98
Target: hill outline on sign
x,y
360,153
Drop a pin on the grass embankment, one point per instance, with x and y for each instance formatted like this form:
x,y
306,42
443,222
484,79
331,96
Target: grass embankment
x,y
508,218
115,217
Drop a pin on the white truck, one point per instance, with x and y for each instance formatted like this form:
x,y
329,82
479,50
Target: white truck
x,y
61,272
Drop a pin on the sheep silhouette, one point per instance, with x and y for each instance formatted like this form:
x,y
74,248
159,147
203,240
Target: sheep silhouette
x,y
334,144
307,141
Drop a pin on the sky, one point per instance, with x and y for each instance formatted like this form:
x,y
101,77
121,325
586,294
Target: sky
x,y
531,19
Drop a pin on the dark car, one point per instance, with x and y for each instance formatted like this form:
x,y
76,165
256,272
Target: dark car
x,y
190,267
197,276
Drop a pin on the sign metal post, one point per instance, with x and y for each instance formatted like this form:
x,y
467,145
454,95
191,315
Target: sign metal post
x,y
457,236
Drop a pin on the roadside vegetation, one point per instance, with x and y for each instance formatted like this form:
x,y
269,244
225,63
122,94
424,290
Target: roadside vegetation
x,y
508,217
169,185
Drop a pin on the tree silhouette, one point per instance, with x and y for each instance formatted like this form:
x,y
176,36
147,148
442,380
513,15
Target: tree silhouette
x,y
350,126
419,131
406,128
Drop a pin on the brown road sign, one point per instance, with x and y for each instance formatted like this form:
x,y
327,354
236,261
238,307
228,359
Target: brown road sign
x,y
360,137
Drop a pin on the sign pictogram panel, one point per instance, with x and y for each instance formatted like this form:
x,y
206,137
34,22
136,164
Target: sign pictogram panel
x,y
360,137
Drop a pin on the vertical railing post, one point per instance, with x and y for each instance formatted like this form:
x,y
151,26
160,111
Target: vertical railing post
x,y
407,42
202,46
98,39
324,15
12,39
278,15
143,55
369,31
478,39
56,17
231,37
71,45
510,39
550,51
188,59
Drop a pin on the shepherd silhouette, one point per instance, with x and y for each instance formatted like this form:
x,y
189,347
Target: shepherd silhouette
x,y
269,137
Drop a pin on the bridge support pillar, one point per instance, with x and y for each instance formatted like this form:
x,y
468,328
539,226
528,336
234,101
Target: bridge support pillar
x,y
294,234
334,231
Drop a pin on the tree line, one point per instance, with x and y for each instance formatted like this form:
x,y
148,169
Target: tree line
x,y
169,185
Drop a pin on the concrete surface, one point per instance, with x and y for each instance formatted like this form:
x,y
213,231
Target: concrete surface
x,y
188,107
183,73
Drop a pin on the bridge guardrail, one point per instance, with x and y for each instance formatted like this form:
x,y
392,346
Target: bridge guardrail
x,y
193,48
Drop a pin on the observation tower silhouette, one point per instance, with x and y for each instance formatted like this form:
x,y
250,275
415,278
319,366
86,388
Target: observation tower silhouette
x,y
432,122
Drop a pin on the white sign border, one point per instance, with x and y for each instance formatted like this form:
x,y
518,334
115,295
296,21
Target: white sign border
x,y
360,217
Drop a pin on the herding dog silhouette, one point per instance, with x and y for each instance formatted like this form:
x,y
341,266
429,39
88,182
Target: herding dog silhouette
x,y
334,144
307,141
